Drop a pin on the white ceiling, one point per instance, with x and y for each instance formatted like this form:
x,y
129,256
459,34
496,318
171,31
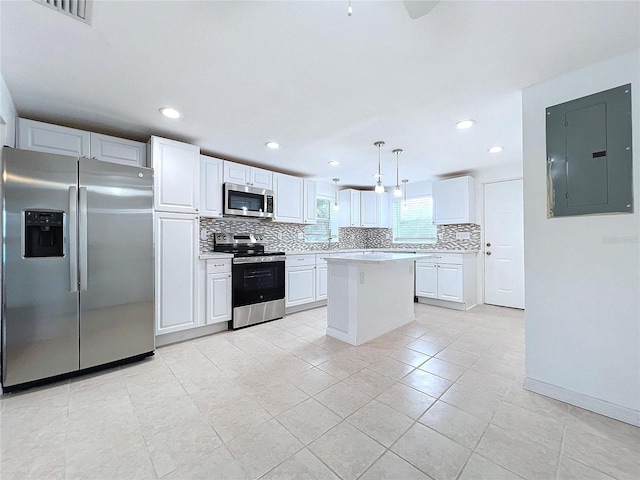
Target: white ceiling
x,y
323,84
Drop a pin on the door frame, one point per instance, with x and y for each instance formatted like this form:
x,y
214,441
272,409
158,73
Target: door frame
x,y
481,265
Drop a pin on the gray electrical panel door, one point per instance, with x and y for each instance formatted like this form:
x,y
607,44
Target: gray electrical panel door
x,y
589,154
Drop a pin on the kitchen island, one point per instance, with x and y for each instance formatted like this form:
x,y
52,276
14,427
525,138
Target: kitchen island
x,y
369,295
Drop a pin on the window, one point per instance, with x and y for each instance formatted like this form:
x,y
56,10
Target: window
x,y
413,221
326,227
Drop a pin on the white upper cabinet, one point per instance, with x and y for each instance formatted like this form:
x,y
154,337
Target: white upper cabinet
x,y
310,190
210,186
382,204
246,175
368,209
349,214
176,175
289,198
364,208
454,201
261,178
118,150
44,137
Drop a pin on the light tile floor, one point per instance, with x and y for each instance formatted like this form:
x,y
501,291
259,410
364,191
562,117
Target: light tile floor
x,y
440,398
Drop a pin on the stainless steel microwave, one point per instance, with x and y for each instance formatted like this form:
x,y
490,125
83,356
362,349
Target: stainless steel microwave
x,y
245,201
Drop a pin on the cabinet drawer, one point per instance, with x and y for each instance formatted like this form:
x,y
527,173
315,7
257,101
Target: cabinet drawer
x,y
321,259
299,260
218,266
453,258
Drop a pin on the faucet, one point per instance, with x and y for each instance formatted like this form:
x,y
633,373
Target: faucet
x,y
329,243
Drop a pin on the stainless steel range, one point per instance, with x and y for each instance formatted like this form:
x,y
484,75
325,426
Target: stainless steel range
x,y
257,277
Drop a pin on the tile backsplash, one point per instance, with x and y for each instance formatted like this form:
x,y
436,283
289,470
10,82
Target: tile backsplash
x,y
288,236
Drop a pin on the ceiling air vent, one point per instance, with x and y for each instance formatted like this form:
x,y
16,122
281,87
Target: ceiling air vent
x,y
78,9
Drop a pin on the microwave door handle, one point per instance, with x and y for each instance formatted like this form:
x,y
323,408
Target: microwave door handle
x,y
72,232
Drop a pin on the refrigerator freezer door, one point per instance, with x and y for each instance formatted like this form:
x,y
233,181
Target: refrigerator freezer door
x,y
40,317
116,297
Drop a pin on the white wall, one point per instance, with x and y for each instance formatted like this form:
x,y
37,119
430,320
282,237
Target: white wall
x,y
582,273
7,116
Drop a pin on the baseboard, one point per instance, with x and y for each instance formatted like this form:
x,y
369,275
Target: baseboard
x,y
596,405
305,306
444,303
358,340
190,334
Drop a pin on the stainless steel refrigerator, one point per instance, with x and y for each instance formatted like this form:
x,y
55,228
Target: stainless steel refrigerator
x,y
77,265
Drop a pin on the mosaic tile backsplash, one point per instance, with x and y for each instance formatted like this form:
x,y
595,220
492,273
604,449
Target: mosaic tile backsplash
x,y
288,237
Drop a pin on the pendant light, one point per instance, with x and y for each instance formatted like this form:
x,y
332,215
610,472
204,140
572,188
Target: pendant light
x,y
397,192
379,187
349,10
404,202
336,205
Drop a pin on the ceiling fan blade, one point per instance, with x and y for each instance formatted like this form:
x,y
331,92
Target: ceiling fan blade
x,y
419,8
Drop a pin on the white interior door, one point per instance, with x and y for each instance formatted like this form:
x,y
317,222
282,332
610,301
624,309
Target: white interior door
x,y
504,244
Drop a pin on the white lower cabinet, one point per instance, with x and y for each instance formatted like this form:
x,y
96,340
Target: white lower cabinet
x,y
306,282
176,247
301,279
321,277
426,279
447,280
210,186
218,303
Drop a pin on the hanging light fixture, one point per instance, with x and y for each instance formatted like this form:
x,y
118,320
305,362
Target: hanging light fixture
x,y
349,10
379,187
336,205
397,192
404,202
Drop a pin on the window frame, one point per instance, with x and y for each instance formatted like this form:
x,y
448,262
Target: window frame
x,y
431,231
333,222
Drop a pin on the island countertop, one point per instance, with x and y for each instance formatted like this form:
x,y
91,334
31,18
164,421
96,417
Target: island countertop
x,y
378,257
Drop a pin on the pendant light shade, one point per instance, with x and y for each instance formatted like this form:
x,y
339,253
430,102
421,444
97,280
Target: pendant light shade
x,y
336,205
397,192
379,186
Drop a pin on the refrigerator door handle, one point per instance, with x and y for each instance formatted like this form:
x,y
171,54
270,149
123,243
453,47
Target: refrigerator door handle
x,y
82,235
72,225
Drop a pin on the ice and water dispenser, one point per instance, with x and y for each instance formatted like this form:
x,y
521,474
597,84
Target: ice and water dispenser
x,y
43,234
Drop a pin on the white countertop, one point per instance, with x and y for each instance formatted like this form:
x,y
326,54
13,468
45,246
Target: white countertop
x,y
376,257
387,250
215,255
347,251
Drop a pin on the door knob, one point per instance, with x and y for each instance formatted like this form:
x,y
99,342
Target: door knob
x,y
488,253
488,244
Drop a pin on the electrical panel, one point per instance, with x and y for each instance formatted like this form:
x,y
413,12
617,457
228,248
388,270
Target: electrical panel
x,y
589,155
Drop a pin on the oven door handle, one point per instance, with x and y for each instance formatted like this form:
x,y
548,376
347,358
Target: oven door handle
x,y
275,258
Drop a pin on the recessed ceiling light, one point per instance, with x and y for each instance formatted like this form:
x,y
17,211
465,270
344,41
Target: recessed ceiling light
x,y
170,112
496,149
272,145
464,124
333,163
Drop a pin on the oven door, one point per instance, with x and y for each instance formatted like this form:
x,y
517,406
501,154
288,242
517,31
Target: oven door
x,y
257,282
